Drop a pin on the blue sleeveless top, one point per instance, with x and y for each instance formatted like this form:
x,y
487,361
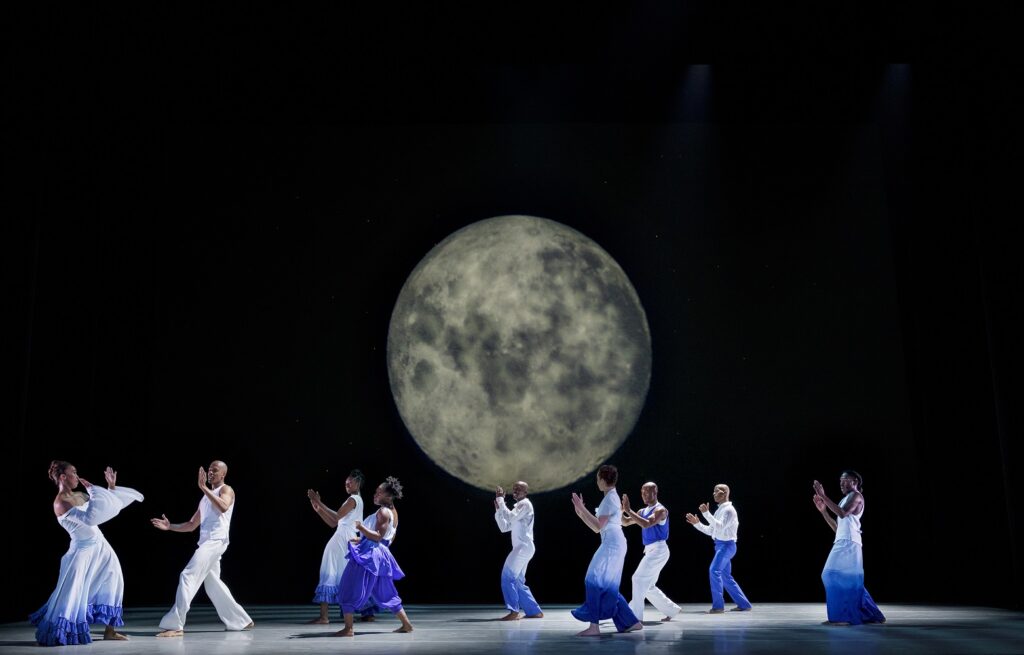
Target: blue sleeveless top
x,y
655,532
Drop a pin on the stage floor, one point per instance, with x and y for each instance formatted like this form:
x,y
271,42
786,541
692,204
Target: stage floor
x,y
770,628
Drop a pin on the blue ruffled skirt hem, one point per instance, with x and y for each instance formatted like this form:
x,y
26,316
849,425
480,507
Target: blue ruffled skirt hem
x,y
325,593
61,632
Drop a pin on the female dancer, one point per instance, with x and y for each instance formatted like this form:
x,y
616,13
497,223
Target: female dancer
x,y
605,571
90,585
344,521
846,599
372,569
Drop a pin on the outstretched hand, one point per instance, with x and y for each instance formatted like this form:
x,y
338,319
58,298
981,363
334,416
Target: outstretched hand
x,y
819,503
692,520
202,478
161,523
314,499
577,500
703,507
111,477
818,489
499,492
625,503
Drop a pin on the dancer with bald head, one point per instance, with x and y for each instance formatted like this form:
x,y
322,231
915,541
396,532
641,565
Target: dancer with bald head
x,y
213,518
723,526
518,521
653,521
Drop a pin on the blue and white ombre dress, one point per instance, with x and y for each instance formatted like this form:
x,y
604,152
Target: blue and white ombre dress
x,y
605,571
90,586
332,565
845,596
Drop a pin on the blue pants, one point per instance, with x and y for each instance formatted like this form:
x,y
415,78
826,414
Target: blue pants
x,y
517,595
720,573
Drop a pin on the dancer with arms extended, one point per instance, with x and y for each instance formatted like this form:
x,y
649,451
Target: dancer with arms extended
x,y
213,518
723,528
372,570
605,571
846,599
518,521
90,585
653,521
333,562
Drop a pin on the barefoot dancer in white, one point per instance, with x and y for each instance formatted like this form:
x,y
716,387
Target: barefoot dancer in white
x,y
332,565
653,519
90,585
213,518
518,521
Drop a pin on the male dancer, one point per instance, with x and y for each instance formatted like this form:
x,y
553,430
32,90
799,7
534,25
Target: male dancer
x,y
723,526
213,518
519,521
653,521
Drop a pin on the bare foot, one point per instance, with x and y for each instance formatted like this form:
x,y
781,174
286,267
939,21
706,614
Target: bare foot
x,y
592,631
369,618
347,632
511,616
636,626
171,633
538,615
110,634
404,628
667,618
323,620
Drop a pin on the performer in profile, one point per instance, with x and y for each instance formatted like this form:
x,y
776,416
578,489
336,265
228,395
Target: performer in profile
x,y
332,564
518,521
846,599
372,570
605,571
653,521
90,585
722,527
213,518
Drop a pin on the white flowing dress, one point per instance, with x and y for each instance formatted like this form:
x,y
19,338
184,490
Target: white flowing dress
x,y
332,565
90,586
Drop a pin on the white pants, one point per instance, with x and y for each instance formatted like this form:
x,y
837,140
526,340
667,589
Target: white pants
x,y
645,579
204,568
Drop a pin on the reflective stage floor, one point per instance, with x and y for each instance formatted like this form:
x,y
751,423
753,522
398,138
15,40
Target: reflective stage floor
x,y
770,628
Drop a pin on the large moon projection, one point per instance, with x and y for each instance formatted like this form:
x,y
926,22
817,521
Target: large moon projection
x,y
518,350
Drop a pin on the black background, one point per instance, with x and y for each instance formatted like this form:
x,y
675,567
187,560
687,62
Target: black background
x,y
214,213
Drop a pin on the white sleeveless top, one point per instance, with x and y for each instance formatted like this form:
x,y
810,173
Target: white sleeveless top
x,y
347,524
214,524
371,523
848,527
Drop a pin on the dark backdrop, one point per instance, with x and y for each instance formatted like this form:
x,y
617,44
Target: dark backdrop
x,y
213,226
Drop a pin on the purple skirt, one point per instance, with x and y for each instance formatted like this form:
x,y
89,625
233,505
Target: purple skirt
x,y
371,573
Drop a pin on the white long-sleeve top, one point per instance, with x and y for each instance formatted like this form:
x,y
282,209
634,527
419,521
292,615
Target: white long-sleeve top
x,y
722,525
518,521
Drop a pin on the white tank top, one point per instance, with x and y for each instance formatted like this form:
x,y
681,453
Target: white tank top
x,y
848,527
214,524
347,525
371,523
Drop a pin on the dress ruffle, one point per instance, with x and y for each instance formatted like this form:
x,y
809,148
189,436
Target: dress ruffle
x,y
61,632
326,593
105,614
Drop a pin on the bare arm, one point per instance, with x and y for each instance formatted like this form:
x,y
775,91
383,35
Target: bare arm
x,y
222,502
853,507
163,524
820,504
383,522
636,519
595,523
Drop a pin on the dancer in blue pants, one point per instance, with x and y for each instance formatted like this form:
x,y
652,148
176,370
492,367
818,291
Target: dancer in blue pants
x,y
518,521
722,526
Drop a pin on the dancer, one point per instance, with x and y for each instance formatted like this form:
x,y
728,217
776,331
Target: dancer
x,y
722,528
344,521
518,521
653,521
372,569
90,585
213,518
605,571
846,599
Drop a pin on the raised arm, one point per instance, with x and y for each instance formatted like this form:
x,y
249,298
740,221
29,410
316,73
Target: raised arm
x,y
853,507
820,504
595,523
222,502
635,519
188,526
